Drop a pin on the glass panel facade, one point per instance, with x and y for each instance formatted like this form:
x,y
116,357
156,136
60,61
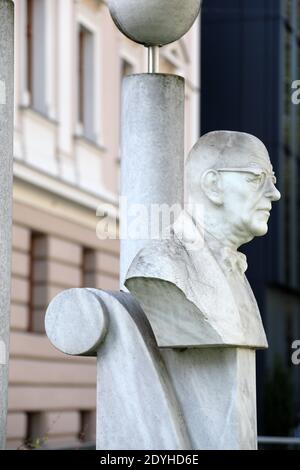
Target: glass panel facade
x,y
291,142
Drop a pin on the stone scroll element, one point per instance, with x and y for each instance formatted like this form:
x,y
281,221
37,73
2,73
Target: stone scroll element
x,y
137,407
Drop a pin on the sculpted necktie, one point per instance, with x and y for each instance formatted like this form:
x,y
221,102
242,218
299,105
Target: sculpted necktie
x,y
234,261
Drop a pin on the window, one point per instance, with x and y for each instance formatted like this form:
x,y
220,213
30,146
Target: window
x,y
36,54
29,35
86,95
87,431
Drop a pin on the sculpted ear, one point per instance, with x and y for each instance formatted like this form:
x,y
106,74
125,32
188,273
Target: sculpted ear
x,y
211,183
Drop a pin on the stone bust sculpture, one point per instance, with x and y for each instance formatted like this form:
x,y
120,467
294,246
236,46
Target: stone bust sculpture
x,y
230,187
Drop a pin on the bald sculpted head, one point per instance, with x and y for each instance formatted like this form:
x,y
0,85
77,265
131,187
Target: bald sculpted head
x,y
230,173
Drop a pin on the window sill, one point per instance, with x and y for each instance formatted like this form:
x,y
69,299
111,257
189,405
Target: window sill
x,y
90,143
39,114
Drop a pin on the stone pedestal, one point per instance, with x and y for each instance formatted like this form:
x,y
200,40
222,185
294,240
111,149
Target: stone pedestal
x,y
216,390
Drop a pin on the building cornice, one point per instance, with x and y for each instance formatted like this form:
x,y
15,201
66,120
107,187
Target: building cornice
x,y
66,191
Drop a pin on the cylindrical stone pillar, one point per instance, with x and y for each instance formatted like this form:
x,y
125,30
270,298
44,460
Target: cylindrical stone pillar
x,y
152,158
6,159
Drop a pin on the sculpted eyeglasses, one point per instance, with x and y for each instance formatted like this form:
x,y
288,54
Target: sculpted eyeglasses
x,y
259,176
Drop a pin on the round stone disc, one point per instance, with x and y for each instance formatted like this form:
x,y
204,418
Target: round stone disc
x,y
76,322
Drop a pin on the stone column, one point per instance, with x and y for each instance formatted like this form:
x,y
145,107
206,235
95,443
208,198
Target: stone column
x,y
6,159
152,157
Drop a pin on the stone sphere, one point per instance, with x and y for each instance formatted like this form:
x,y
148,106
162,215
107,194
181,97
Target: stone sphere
x,y
154,22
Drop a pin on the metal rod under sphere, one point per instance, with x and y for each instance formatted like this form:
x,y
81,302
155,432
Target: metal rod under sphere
x,y
153,59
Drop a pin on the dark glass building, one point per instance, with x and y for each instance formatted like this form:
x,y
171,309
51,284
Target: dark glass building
x,y
250,58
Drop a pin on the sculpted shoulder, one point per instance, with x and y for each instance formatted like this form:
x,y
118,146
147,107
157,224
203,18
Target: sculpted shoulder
x,y
163,259
173,258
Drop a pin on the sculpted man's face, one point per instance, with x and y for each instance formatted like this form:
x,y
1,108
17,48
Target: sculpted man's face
x,y
247,197
230,176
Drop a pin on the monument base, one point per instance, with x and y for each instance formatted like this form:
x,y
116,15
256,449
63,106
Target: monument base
x,y
151,398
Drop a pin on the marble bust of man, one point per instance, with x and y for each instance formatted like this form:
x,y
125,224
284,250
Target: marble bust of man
x,y
192,285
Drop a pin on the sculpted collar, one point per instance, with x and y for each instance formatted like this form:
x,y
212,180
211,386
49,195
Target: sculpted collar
x,y
233,261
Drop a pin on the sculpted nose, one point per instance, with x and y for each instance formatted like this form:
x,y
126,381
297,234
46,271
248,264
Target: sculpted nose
x,y
273,193
277,195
